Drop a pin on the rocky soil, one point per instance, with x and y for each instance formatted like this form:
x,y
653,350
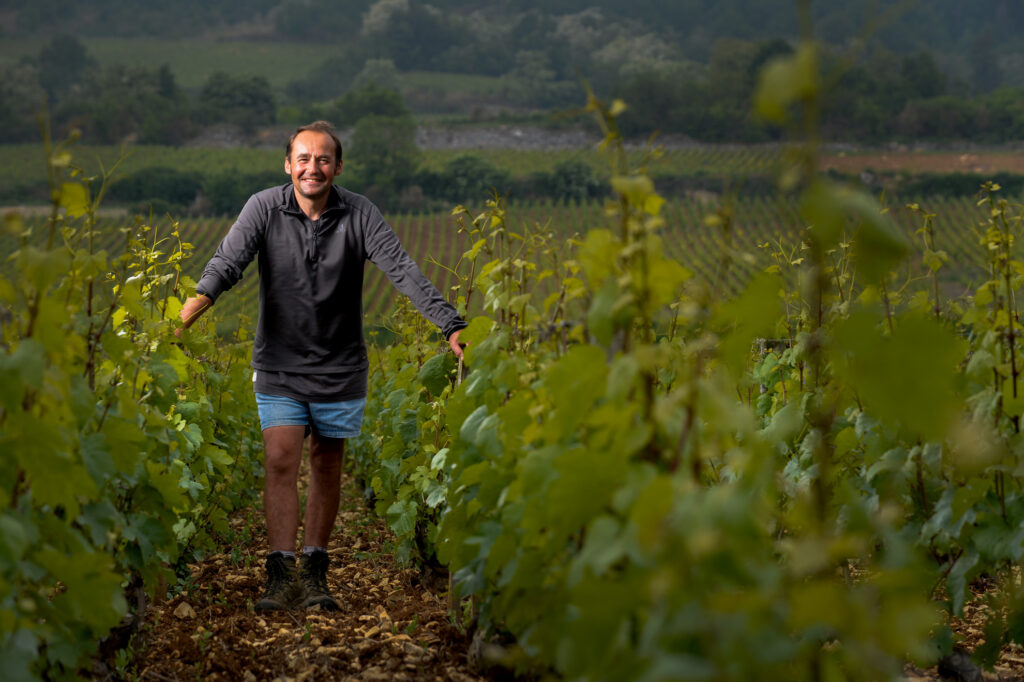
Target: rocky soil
x,y
394,623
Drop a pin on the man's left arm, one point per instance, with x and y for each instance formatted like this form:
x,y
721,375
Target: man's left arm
x,y
384,250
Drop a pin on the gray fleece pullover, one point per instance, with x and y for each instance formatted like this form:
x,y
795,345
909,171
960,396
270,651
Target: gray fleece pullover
x,y
311,278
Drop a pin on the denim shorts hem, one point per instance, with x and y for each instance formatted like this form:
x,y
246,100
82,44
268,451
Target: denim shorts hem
x,y
341,419
341,434
270,423
325,433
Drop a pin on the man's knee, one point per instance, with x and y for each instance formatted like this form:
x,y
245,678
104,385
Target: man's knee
x,y
282,449
281,463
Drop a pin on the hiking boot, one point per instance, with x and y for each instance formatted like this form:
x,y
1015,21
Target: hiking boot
x,y
313,576
283,590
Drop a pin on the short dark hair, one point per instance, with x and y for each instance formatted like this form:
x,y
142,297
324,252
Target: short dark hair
x,y
318,127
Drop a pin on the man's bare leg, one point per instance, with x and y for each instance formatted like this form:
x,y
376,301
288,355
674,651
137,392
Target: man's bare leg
x,y
325,457
321,510
283,451
283,448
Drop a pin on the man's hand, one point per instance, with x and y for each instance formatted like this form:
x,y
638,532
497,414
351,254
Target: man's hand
x,y
190,312
453,341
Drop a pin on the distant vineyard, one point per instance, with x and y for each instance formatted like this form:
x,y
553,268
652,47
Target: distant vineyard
x,y
678,171
434,242
23,165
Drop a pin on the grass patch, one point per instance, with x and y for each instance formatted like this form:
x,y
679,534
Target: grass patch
x,y
23,165
192,61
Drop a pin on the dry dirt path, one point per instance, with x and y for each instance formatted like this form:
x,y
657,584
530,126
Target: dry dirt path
x,y
392,625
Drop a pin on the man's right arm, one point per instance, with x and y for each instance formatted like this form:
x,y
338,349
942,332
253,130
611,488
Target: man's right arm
x,y
236,250
234,253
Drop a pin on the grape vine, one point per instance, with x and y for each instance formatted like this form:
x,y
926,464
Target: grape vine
x,y
644,476
124,449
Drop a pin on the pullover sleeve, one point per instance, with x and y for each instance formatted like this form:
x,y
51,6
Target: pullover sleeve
x,y
386,252
235,251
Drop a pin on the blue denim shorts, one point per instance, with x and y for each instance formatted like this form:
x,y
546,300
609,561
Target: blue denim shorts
x,y
332,420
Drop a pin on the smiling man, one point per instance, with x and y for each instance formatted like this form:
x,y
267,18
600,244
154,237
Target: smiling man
x,y
311,240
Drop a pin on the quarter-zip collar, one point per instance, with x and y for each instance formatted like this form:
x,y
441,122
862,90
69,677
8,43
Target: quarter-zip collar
x,y
317,227
291,205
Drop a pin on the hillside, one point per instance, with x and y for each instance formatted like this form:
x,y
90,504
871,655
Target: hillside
x,y
486,37
210,74
954,25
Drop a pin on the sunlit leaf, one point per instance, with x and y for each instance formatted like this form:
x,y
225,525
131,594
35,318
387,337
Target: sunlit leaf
x,y
74,198
909,378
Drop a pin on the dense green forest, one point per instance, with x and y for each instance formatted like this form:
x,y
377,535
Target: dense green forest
x,y
684,67
691,25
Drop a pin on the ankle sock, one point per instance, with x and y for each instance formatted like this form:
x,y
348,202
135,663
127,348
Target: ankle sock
x,y
282,553
307,550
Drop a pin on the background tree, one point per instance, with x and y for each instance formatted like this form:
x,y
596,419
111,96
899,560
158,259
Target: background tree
x,y
1001,115
656,100
63,63
532,81
167,116
466,177
243,101
225,192
574,180
21,99
384,157
379,72
369,100
415,35
922,76
129,104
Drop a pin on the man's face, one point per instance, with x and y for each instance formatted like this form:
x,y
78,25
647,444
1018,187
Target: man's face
x,y
312,164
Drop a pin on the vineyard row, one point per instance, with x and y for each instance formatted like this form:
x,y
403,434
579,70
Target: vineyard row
x,y
433,239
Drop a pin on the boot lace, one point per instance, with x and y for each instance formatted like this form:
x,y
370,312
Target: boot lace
x,y
314,573
278,576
